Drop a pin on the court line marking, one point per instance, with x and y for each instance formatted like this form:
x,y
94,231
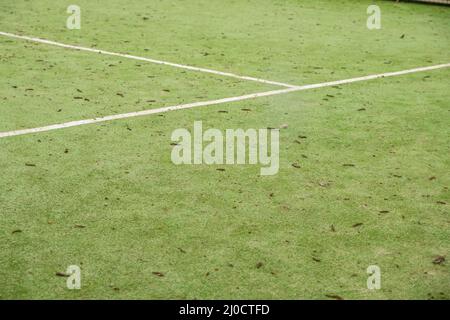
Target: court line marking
x,y
218,101
161,62
144,113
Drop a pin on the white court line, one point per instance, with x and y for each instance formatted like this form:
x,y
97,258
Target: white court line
x,y
219,101
143,113
128,56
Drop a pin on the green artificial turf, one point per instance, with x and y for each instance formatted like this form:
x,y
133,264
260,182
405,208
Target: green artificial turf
x,y
90,85
371,188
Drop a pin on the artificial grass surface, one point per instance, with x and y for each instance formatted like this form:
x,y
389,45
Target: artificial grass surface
x,y
47,86
233,233
293,41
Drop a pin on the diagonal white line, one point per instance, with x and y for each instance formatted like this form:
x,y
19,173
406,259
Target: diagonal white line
x,y
219,101
373,76
143,113
128,56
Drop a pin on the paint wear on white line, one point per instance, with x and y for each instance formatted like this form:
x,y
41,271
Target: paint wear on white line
x,y
219,101
128,56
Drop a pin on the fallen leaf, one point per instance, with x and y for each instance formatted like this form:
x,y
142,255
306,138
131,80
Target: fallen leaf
x,y
62,274
439,260
159,274
16,231
334,296
259,265
296,165
357,225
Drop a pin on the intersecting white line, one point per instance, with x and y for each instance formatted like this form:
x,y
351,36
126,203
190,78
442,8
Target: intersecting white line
x,y
128,56
219,101
290,88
